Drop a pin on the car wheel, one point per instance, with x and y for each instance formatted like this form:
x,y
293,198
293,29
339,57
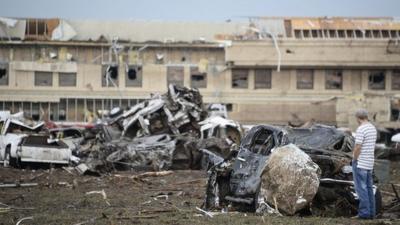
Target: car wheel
x,y
7,157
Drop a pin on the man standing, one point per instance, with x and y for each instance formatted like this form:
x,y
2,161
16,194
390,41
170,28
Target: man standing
x,y
363,164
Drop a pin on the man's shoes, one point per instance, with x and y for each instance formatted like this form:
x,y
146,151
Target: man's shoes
x,y
361,218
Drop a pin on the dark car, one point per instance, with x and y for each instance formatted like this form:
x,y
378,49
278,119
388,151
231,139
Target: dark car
x,y
236,180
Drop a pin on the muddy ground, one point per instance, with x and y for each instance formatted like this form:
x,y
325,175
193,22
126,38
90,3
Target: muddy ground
x,y
60,198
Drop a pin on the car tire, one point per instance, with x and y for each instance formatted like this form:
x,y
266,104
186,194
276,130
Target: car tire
x,y
8,159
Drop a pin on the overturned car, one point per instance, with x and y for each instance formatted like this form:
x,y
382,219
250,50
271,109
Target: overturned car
x,y
286,170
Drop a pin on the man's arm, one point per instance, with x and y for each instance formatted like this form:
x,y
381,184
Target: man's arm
x,y
356,151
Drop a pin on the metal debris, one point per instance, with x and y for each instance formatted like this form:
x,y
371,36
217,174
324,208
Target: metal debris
x,y
240,182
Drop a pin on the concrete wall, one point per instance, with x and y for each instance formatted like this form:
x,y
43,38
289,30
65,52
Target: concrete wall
x,y
317,52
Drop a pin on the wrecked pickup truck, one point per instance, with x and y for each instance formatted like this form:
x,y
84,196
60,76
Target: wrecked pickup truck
x,y
318,182
21,143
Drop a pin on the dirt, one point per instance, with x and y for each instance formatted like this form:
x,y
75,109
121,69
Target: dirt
x,y
60,198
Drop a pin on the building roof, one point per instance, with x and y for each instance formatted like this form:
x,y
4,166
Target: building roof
x,y
139,31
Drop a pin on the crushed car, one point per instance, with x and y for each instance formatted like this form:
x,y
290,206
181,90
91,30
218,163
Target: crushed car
x,y
252,178
166,131
29,143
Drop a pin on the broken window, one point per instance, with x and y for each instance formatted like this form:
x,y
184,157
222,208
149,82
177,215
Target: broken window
x,y
262,79
109,76
396,80
385,34
306,33
3,74
35,27
333,79
368,34
43,78
315,33
359,34
332,33
305,79
197,78
341,33
350,33
67,79
376,34
376,80
133,76
240,78
297,33
393,33
175,75
229,107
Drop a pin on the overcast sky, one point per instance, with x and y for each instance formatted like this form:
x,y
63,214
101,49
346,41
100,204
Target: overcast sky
x,y
200,10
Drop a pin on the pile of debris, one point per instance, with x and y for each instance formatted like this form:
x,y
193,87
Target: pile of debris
x,y
165,132
168,131
286,170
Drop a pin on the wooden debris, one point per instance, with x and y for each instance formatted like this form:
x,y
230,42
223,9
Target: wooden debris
x,y
25,218
152,174
36,176
205,212
102,192
191,181
14,185
395,192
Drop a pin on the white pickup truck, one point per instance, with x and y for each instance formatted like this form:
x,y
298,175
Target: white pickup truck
x,y
22,143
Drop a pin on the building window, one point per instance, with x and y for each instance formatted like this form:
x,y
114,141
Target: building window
x,y
262,79
109,76
43,78
133,76
67,79
240,78
175,75
376,80
197,78
334,79
3,74
36,27
305,79
396,80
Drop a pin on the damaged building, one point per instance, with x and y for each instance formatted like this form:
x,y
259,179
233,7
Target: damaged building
x,y
291,69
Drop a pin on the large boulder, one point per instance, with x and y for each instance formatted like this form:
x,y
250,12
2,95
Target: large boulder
x,y
290,179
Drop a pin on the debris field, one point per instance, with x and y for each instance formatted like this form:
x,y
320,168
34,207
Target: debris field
x,y
169,160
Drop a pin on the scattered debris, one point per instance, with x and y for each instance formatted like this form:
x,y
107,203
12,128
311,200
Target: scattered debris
x,y
102,193
14,185
25,218
205,212
152,174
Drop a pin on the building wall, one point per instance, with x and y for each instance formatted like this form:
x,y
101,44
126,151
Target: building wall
x,y
280,103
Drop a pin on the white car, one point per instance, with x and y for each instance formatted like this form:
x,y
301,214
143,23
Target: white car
x,y
23,143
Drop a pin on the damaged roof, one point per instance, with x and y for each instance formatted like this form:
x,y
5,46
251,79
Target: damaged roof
x,y
343,23
141,31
